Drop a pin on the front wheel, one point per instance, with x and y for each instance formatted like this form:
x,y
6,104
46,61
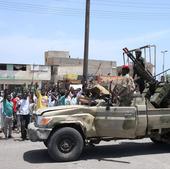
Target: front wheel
x,y
66,144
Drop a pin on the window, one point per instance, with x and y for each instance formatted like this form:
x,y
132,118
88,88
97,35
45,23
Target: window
x,y
20,67
3,67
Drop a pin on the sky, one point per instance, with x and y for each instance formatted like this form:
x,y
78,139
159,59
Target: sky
x,y
29,28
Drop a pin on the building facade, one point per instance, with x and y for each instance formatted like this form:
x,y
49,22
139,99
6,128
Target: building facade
x,y
19,74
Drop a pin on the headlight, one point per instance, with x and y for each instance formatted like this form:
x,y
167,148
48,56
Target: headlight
x,y
42,121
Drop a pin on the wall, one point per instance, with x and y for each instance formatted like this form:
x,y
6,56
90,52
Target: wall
x,y
49,55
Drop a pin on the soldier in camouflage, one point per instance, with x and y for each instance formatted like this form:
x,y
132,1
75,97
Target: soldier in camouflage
x,y
136,74
125,89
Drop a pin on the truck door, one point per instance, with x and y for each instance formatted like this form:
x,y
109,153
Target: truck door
x,y
118,122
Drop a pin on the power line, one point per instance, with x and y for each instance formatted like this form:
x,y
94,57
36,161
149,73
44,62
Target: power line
x,y
126,3
69,11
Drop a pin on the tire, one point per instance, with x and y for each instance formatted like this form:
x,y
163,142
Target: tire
x,y
66,144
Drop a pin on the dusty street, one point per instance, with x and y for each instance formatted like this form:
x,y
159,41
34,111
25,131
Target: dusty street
x,y
138,154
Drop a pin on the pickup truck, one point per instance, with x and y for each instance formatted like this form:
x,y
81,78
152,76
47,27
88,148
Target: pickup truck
x,y
66,130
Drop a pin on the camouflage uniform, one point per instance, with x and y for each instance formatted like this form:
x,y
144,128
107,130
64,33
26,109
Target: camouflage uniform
x,y
124,90
139,80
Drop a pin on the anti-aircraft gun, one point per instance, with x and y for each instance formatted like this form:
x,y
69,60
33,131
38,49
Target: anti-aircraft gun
x,y
157,92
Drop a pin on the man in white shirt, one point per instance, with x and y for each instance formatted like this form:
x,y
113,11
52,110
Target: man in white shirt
x,y
24,114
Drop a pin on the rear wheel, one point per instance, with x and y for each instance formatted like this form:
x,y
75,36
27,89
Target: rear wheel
x,y
66,144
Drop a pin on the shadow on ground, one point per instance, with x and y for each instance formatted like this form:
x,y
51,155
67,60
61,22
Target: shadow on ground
x,y
104,152
37,156
124,149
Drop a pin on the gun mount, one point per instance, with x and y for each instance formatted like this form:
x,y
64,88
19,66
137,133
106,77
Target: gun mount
x,y
157,92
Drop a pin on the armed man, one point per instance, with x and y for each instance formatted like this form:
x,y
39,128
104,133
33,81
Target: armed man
x,y
123,88
136,75
128,87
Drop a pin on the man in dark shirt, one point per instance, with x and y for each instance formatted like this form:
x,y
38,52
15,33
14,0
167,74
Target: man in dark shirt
x,y
136,75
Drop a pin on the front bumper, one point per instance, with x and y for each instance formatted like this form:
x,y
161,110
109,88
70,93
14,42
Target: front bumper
x,y
38,134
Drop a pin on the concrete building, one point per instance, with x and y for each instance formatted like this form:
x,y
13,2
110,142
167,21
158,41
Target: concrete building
x,y
61,63
19,74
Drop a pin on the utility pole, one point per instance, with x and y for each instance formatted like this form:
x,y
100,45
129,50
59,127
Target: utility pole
x,y
86,42
163,64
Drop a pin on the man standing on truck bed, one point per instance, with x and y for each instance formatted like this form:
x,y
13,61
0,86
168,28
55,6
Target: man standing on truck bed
x,y
127,87
136,75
